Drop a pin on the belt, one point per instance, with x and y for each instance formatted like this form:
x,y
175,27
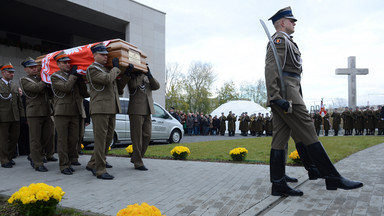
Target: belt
x,y
290,74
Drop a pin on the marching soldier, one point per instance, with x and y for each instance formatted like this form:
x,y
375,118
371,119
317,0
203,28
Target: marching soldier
x,y
223,128
317,122
11,111
292,118
336,119
326,124
39,112
68,109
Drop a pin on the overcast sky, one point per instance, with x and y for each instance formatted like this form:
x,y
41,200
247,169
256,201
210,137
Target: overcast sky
x,y
228,35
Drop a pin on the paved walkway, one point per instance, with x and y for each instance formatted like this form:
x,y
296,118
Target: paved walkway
x,y
208,189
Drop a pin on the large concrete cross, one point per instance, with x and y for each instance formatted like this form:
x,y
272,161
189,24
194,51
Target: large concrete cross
x,y
351,71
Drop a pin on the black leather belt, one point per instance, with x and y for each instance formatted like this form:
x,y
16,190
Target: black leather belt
x,y
290,74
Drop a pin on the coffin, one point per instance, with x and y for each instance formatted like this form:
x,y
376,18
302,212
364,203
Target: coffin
x,y
83,57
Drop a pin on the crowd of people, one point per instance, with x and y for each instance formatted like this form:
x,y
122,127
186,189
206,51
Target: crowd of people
x,y
353,122
200,124
361,121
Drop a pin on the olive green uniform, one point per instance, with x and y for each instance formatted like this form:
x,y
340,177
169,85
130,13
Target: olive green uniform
x,y
359,118
68,109
336,119
140,109
347,122
260,125
11,109
231,124
39,112
326,124
317,122
222,128
103,107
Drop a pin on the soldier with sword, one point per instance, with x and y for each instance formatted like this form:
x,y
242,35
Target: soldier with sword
x,y
283,68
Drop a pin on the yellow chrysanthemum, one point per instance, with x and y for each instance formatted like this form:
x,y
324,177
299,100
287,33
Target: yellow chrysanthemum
x,y
294,155
129,149
180,149
140,210
82,146
238,151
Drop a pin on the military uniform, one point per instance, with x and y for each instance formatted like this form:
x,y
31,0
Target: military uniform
x,y
39,111
268,126
359,119
317,122
326,124
68,109
347,116
243,126
223,128
336,119
252,125
371,121
11,109
140,108
231,118
379,121
260,125
297,123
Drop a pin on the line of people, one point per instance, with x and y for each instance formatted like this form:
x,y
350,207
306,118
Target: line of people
x,y
59,106
354,122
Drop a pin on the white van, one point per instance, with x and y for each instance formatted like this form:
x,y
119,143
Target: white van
x,y
164,126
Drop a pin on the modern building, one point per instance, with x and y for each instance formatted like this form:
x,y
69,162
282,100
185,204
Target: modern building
x,y
38,27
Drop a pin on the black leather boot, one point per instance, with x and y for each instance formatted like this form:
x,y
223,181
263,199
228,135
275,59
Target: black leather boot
x,y
277,172
333,179
313,172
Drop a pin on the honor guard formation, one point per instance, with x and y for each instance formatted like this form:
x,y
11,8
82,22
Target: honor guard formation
x,y
60,106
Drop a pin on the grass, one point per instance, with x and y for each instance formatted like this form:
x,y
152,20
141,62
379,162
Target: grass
x,y
258,148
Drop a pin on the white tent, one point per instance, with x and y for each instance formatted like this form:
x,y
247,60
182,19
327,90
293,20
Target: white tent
x,y
237,107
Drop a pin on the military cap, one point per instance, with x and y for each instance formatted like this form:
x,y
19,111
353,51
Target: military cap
x,y
283,13
99,48
7,67
61,56
28,62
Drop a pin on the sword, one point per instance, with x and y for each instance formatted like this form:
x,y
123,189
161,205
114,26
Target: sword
x,y
280,70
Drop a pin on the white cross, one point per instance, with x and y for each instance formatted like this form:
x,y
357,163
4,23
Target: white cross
x,y
351,71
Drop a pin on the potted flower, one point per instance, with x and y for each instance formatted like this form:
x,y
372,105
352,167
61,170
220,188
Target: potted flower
x,y
136,210
37,199
129,149
180,152
238,154
295,157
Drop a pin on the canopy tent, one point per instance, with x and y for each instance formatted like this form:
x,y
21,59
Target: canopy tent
x,y
237,107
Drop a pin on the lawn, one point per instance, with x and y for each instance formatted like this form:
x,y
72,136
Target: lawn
x,y
258,148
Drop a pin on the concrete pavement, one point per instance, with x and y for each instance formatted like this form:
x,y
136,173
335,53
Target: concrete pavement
x,y
207,188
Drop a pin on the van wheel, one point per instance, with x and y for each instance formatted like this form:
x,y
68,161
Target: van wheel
x,y
114,141
175,136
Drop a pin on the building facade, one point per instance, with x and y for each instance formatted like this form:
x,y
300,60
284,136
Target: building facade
x,y
38,27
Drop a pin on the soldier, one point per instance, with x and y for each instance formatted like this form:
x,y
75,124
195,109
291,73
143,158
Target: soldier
x,y
371,121
253,125
104,104
326,124
140,86
39,112
223,128
358,117
379,121
317,122
336,119
260,125
347,121
68,109
292,118
244,119
231,118
268,125
11,111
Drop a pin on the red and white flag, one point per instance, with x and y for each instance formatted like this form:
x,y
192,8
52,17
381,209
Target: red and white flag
x,y
323,112
81,56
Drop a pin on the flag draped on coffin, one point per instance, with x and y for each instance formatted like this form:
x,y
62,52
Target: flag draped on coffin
x,y
81,56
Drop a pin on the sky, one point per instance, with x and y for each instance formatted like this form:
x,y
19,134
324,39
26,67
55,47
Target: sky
x,y
228,35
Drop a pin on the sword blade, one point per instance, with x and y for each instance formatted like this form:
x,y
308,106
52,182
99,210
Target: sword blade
x,y
280,70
